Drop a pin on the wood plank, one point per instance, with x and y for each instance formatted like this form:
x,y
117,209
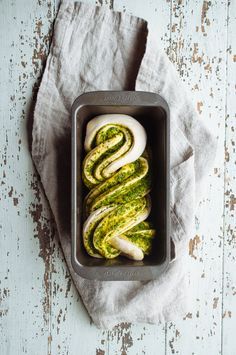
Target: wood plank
x,y
25,249
198,44
229,276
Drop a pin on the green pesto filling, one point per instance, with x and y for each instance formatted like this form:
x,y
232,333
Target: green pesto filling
x,y
136,185
125,190
116,223
145,244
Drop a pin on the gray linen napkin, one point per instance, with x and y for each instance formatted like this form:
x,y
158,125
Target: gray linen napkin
x,y
94,48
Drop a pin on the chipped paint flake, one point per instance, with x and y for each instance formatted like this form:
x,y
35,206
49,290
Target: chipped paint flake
x,y
215,302
199,107
193,245
188,316
204,20
232,202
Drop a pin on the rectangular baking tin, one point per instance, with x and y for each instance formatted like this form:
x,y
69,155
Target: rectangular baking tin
x,y
152,112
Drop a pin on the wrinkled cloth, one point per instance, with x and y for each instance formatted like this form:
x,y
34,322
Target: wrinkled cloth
x,y
94,48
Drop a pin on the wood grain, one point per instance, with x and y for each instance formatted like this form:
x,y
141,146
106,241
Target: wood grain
x,y
228,341
25,229
198,49
40,310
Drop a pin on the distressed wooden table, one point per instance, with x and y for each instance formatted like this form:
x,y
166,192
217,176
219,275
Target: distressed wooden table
x,y
40,310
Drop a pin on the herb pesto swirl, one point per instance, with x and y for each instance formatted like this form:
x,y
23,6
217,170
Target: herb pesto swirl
x,y
118,177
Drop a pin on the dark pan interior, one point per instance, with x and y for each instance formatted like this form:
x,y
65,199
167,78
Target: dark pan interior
x,y
153,120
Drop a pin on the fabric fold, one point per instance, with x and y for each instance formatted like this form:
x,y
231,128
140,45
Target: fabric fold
x,y
94,48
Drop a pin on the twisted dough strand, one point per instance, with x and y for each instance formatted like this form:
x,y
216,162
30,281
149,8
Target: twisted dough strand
x,y
118,201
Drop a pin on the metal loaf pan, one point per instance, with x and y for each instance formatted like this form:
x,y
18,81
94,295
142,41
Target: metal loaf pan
x,y
152,112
